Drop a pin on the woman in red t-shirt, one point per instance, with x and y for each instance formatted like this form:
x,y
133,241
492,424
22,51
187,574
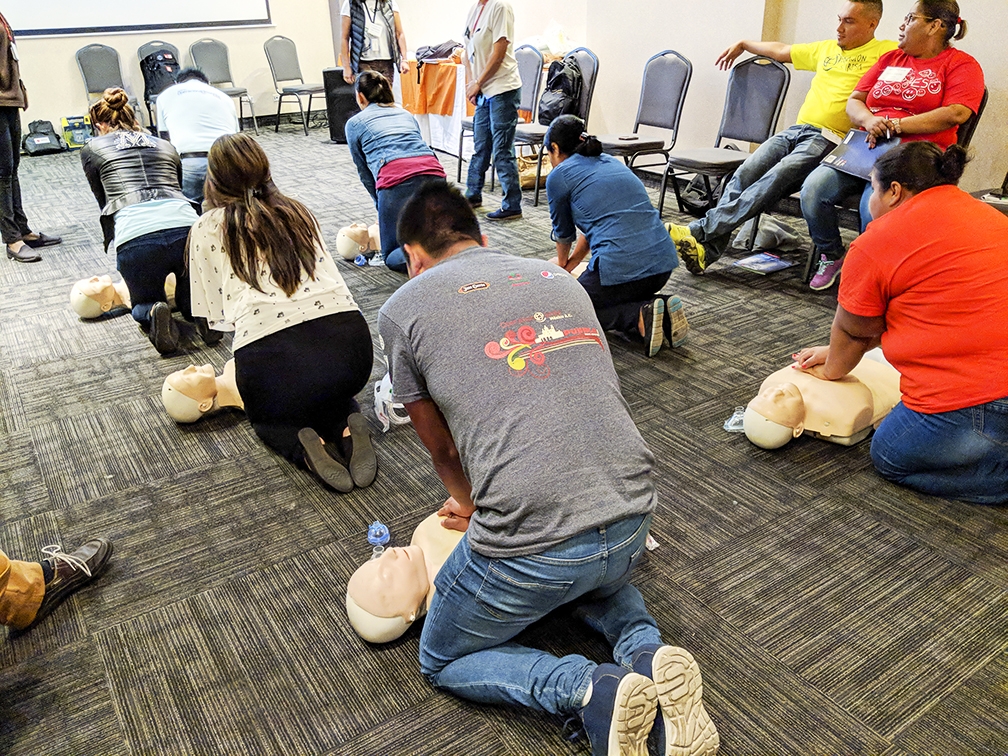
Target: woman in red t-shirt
x,y
921,91
928,282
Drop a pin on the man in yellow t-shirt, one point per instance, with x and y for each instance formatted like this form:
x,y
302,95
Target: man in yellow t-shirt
x,y
779,166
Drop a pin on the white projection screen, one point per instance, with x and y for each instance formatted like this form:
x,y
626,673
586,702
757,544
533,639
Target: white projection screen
x,y
38,17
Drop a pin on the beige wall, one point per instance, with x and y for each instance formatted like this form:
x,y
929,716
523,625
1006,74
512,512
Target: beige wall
x,y
55,87
622,39
805,20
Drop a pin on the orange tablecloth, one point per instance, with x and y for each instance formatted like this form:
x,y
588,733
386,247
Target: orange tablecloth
x,y
435,93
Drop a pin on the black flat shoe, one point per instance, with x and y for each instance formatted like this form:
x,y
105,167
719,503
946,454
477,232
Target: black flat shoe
x,y
163,333
363,462
209,335
42,240
24,255
327,469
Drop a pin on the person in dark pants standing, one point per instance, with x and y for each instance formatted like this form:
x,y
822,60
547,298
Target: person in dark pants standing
x,y
494,88
21,242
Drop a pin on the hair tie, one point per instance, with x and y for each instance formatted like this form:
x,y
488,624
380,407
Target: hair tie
x,y
959,21
584,136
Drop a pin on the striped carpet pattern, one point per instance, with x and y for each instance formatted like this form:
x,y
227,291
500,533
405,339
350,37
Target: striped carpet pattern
x,y
831,612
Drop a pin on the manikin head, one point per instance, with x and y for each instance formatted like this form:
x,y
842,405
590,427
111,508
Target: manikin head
x,y
93,297
775,416
352,240
189,394
386,595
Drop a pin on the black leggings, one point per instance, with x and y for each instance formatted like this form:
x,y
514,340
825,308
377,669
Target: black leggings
x,y
305,376
618,307
13,223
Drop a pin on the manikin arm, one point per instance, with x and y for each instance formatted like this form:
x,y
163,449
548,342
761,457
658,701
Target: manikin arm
x,y
850,337
433,430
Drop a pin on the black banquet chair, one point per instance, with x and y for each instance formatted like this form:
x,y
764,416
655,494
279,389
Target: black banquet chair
x,y
756,90
211,57
281,52
663,92
534,133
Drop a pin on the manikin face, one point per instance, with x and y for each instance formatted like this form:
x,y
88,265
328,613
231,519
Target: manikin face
x,y
100,289
856,26
782,404
394,585
199,383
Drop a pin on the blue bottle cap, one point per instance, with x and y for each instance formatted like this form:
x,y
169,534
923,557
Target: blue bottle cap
x,y
377,534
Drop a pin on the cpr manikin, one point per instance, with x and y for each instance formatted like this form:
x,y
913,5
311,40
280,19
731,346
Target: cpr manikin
x,y
93,297
189,394
388,594
845,411
357,239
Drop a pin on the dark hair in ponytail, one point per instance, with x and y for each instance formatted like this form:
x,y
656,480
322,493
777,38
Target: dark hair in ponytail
x,y
568,133
921,165
374,88
946,11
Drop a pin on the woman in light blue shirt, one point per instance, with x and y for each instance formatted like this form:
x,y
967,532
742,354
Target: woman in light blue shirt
x,y
631,254
391,156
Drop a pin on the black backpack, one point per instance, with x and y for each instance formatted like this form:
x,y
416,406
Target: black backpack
x,y
159,70
563,90
42,139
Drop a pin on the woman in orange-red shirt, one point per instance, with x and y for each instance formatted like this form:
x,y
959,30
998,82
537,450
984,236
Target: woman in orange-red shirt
x,y
928,281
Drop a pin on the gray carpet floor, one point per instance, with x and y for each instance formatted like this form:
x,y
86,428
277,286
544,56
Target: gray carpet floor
x,y
831,612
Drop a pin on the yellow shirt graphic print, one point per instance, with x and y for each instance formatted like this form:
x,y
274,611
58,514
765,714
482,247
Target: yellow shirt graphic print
x,y
837,73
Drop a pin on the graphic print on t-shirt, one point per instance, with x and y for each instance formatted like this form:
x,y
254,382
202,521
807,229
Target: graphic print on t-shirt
x,y
910,86
528,340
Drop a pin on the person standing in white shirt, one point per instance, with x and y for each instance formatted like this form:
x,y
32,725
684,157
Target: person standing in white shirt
x,y
494,87
191,114
373,39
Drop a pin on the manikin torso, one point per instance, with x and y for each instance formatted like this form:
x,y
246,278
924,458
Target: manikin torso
x,y
843,411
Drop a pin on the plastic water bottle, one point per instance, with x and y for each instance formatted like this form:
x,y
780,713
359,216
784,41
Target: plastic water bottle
x,y
377,536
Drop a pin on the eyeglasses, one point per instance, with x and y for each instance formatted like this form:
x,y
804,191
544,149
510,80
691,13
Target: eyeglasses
x,y
911,16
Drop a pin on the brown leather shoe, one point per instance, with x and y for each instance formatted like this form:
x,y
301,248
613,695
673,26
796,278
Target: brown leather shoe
x,y
71,572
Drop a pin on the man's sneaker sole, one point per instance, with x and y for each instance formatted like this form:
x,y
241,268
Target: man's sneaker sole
x,y
675,324
689,730
633,716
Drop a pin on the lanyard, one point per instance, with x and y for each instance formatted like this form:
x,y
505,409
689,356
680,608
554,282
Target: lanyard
x,y
471,31
371,16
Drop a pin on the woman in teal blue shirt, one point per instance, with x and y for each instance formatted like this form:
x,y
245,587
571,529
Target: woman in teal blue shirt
x,y
631,254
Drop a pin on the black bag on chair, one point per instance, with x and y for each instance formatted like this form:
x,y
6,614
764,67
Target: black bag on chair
x,y
563,90
42,139
159,70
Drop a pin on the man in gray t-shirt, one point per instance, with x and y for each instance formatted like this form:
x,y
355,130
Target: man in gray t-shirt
x,y
507,377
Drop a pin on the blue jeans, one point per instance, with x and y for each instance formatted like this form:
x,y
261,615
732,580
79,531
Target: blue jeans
x,y
494,125
193,177
480,604
390,204
775,170
961,454
822,191
145,263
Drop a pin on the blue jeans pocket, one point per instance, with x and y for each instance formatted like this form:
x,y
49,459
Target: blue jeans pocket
x,y
509,594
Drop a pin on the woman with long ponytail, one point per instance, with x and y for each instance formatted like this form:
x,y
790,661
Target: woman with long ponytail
x,y
927,280
302,348
630,253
